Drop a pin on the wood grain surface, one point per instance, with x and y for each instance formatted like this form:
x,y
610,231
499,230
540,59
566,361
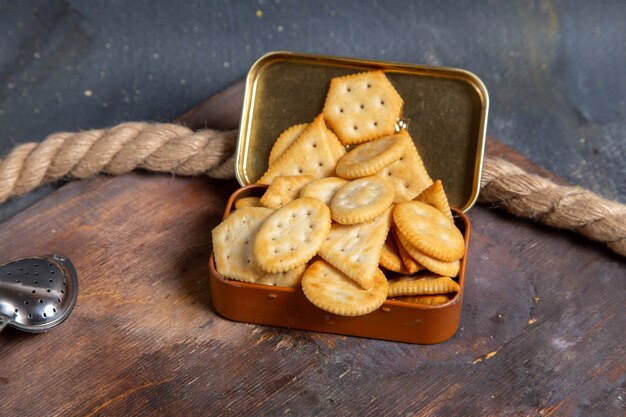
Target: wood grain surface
x,y
542,330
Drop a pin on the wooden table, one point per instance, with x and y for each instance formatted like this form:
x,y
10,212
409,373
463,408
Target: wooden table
x,y
542,331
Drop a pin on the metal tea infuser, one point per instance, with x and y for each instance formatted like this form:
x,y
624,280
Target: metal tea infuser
x,y
37,293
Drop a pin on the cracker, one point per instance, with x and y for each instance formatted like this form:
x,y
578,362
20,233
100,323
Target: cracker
x,y
290,278
331,290
232,243
315,152
285,140
355,249
408,174
292,235
323,189
283,190
362,107
411,265
429,230
449,269
429,300
248,202
435,196
422,284
371,157
361,200
390,257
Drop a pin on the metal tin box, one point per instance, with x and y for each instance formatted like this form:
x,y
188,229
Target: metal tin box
x,y
446,110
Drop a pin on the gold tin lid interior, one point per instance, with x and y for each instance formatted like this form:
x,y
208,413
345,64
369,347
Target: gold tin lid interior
x,y
446,110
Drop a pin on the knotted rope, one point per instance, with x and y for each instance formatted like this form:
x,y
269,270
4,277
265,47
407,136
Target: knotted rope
x,y
175,149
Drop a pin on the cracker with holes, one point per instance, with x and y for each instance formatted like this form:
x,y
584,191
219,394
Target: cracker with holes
x,y
362,107
285,140
355,249
390,257
315,152
369,158
232,243
283,190
331,290
323,189
449,269
289,279
248,202
292,235
411,265
428,300
429,230
422,284
408,174
361,200
435,196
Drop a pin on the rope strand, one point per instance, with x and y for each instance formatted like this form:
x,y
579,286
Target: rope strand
x,y
175,149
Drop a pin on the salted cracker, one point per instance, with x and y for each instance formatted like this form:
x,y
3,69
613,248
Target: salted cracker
x,y
362,107
355,249
449,269
289,278
422,284
371,157
283,190
285,140
428,300
408,174
323,189
248,202
315,152
233,240
390,257
411,265
292,235
331,290
361,200
429,230
435,196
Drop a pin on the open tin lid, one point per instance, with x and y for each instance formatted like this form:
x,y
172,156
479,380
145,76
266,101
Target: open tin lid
x,y
446,110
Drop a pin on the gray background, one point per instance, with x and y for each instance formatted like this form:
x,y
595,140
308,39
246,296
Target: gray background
x,y
555,70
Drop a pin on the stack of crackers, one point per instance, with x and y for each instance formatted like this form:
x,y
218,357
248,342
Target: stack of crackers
x,y
352,228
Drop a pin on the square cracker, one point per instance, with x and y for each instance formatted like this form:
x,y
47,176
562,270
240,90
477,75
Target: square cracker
x,y
233,241
362,107
355,249
283,190
408,174
315,152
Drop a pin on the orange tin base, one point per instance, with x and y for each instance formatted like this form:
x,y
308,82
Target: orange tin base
x,y
288,307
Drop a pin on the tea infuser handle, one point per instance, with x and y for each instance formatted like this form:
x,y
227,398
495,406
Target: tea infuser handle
x,y
4,320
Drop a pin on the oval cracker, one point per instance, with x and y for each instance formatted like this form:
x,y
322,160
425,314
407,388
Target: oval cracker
x,y
361,200
292,235
429,230
331,290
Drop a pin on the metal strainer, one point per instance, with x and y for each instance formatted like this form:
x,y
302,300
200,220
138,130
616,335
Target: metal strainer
x,y
38,293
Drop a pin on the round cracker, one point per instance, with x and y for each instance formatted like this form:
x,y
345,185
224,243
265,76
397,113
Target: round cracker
x,y
285,140
361,200
292,235
449,269
429,230
429,300
371,157
323,189
422,284
331,290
